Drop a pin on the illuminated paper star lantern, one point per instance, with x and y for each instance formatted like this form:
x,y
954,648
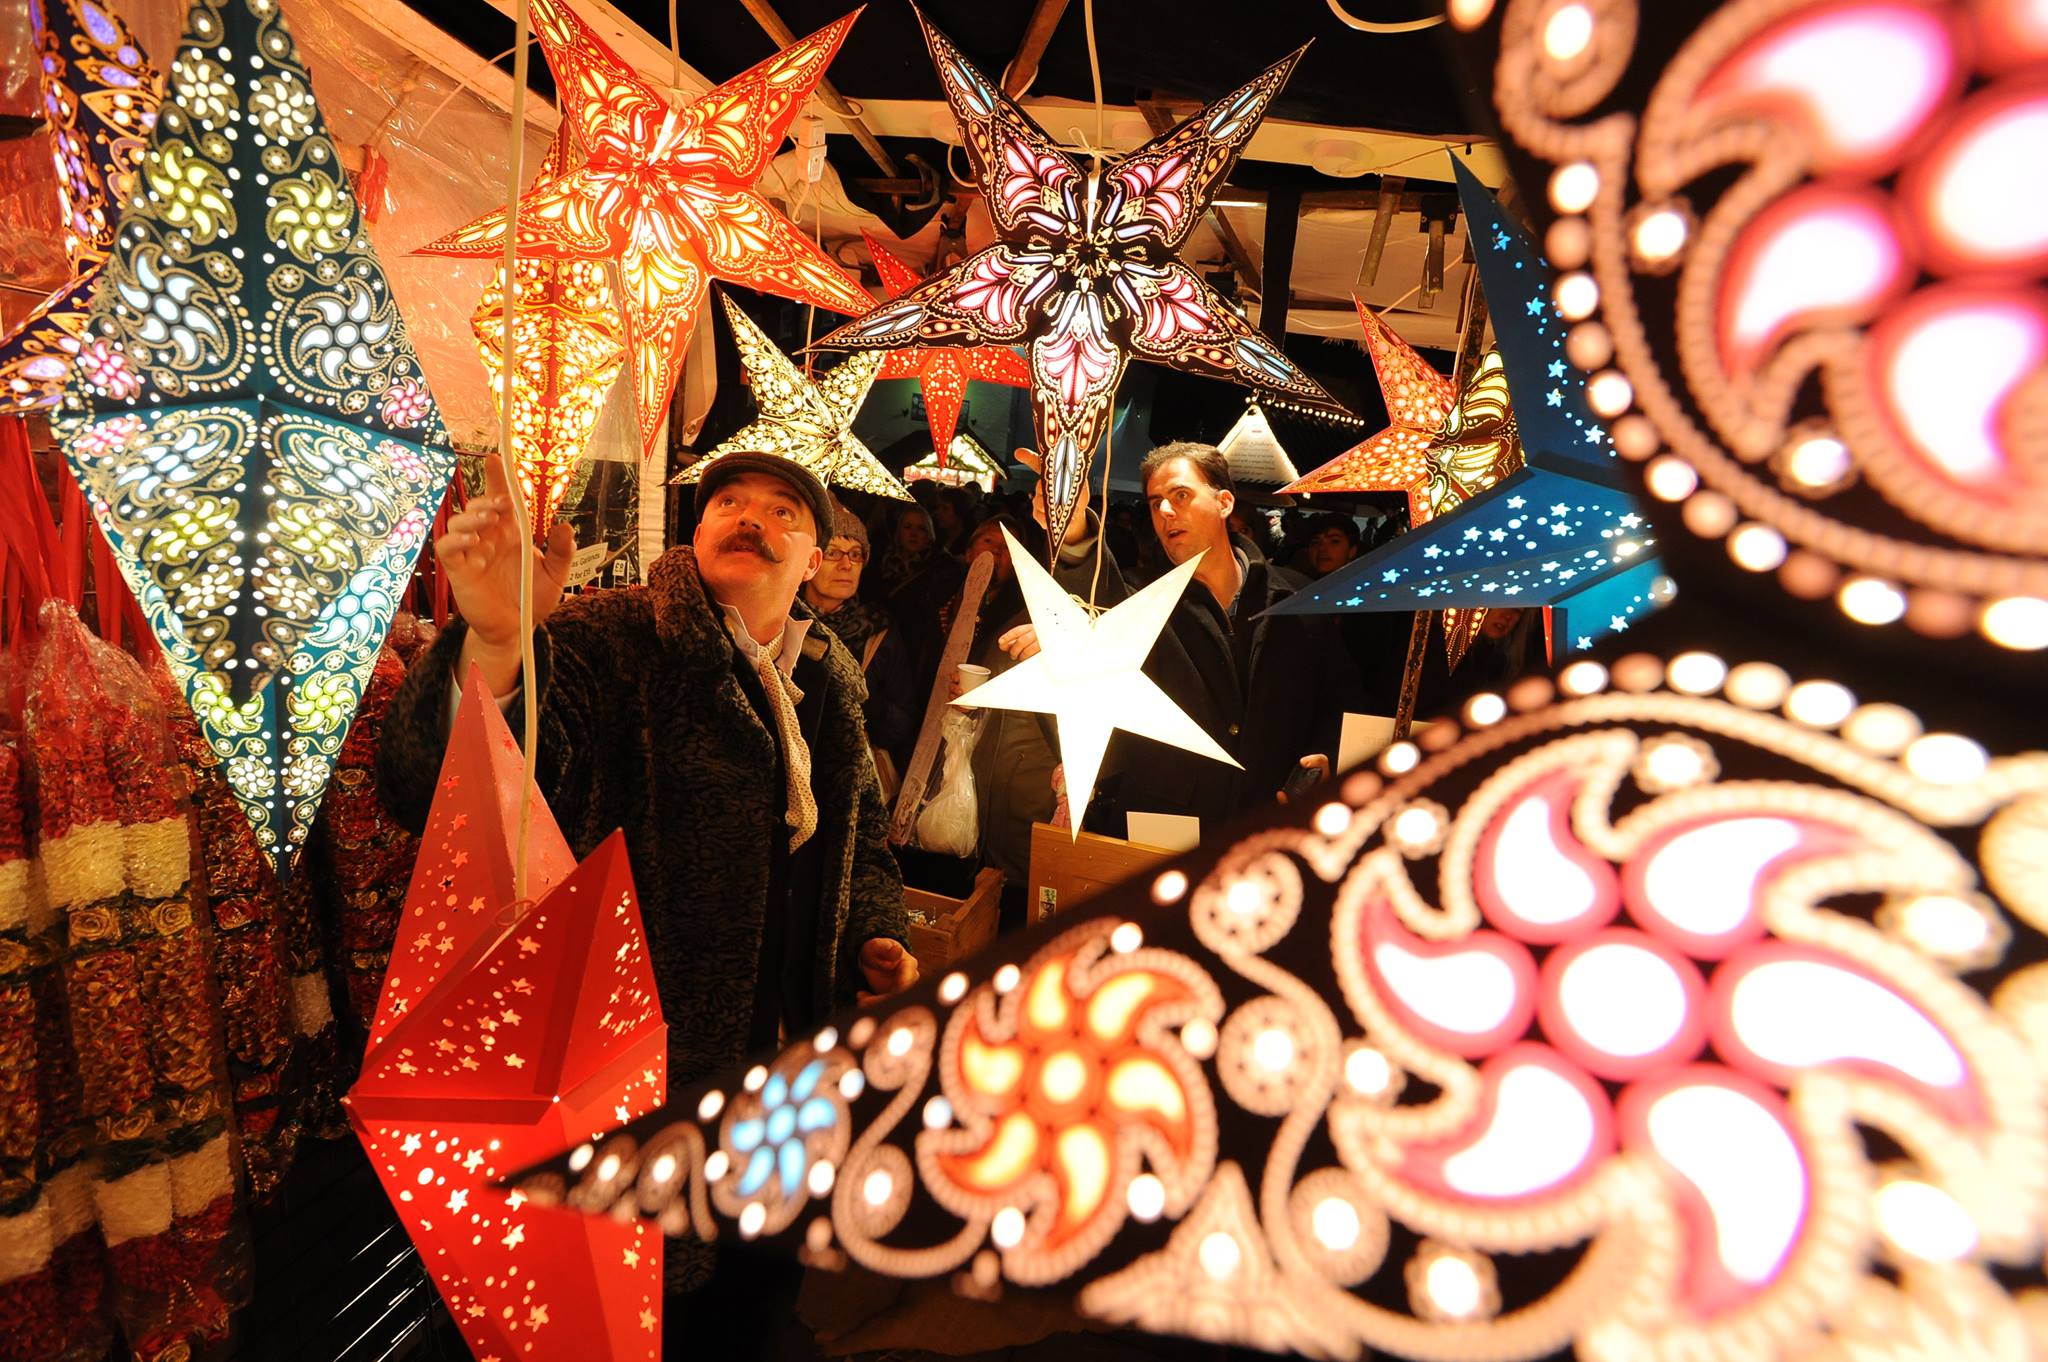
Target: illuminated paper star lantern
x,y
503,1035
942,371
99,102
264,458
806,420
667,194
1546,534
571,348
1577,1033
1085,272
1420,402
1088,674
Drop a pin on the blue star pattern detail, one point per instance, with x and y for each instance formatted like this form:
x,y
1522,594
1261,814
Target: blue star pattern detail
x,y
1494,550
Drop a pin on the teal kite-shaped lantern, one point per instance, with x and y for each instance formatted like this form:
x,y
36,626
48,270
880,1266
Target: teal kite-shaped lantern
x,y
255,434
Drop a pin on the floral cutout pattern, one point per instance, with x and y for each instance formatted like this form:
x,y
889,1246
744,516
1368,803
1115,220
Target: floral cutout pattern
x,y
1661,979
668,195
1827,314
99,98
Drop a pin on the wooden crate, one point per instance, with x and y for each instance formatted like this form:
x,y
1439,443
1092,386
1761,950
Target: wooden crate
x,y
1067,871
958,927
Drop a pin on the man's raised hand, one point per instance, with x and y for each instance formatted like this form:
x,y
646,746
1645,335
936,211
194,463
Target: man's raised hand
x,y
483,551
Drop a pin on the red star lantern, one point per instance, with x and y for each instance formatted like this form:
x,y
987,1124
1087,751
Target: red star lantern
x,y
571,349
1086,270
502,1036
667,194
941,371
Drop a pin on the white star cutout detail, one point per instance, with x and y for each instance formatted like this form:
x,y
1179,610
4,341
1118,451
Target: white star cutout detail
x,y
1087,674
1516,503
1616,623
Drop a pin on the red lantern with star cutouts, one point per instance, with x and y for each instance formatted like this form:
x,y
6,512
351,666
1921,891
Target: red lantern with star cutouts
x,y
507,1030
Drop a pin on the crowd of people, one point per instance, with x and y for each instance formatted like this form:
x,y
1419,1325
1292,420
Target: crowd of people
x,y
743,716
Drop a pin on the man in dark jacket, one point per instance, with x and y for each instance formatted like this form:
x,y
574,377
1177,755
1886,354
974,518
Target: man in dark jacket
x,y
697,713
1271,689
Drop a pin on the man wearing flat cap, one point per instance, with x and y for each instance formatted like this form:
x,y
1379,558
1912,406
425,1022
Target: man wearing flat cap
x,y
704,715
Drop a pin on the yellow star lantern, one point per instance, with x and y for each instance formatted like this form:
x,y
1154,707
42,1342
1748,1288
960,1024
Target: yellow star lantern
x,y
571,349
668,194
810,422
1088,674
1443,448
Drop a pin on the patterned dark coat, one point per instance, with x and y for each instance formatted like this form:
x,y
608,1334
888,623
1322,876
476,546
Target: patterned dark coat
x,y
644,725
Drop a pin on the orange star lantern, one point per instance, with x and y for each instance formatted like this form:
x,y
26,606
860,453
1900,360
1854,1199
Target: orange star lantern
x,y
942,372
571,348
1444,446
506,1032
1418,399
668,194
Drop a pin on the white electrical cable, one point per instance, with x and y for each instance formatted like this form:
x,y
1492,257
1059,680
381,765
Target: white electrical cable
x,y
508,346
1369,26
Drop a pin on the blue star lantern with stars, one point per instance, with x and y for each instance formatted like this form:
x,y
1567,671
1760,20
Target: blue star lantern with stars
x,y
1561,532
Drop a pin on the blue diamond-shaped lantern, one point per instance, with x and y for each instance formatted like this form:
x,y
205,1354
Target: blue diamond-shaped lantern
x,y
256,439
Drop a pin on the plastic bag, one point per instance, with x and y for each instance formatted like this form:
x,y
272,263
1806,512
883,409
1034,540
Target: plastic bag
x,y
950,822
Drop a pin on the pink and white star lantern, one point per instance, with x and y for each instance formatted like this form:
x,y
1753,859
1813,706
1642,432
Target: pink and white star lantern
x,y
1086,271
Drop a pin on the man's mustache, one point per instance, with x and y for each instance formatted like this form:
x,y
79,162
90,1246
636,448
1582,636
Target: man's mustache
x,y
748,541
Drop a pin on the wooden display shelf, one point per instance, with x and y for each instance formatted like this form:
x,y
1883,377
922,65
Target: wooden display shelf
x,y
954,928
1067,871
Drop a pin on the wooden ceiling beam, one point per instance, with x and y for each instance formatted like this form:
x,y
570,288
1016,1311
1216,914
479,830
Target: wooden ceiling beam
x,y
1023,68
1161,115
772,24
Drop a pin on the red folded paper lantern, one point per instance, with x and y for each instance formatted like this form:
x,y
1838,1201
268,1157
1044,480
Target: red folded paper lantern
x,y
506,1032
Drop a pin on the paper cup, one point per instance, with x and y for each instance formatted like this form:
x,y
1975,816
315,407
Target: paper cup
x,y
971,676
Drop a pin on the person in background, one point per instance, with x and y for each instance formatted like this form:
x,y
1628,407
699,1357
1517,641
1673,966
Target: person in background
x,y
911,549
895,702
952,518
1332,542
1250,532
1121,526
1274,689
915,580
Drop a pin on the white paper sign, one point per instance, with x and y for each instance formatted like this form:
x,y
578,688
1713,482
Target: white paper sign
x,y
1167,831
587,561
1363,738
